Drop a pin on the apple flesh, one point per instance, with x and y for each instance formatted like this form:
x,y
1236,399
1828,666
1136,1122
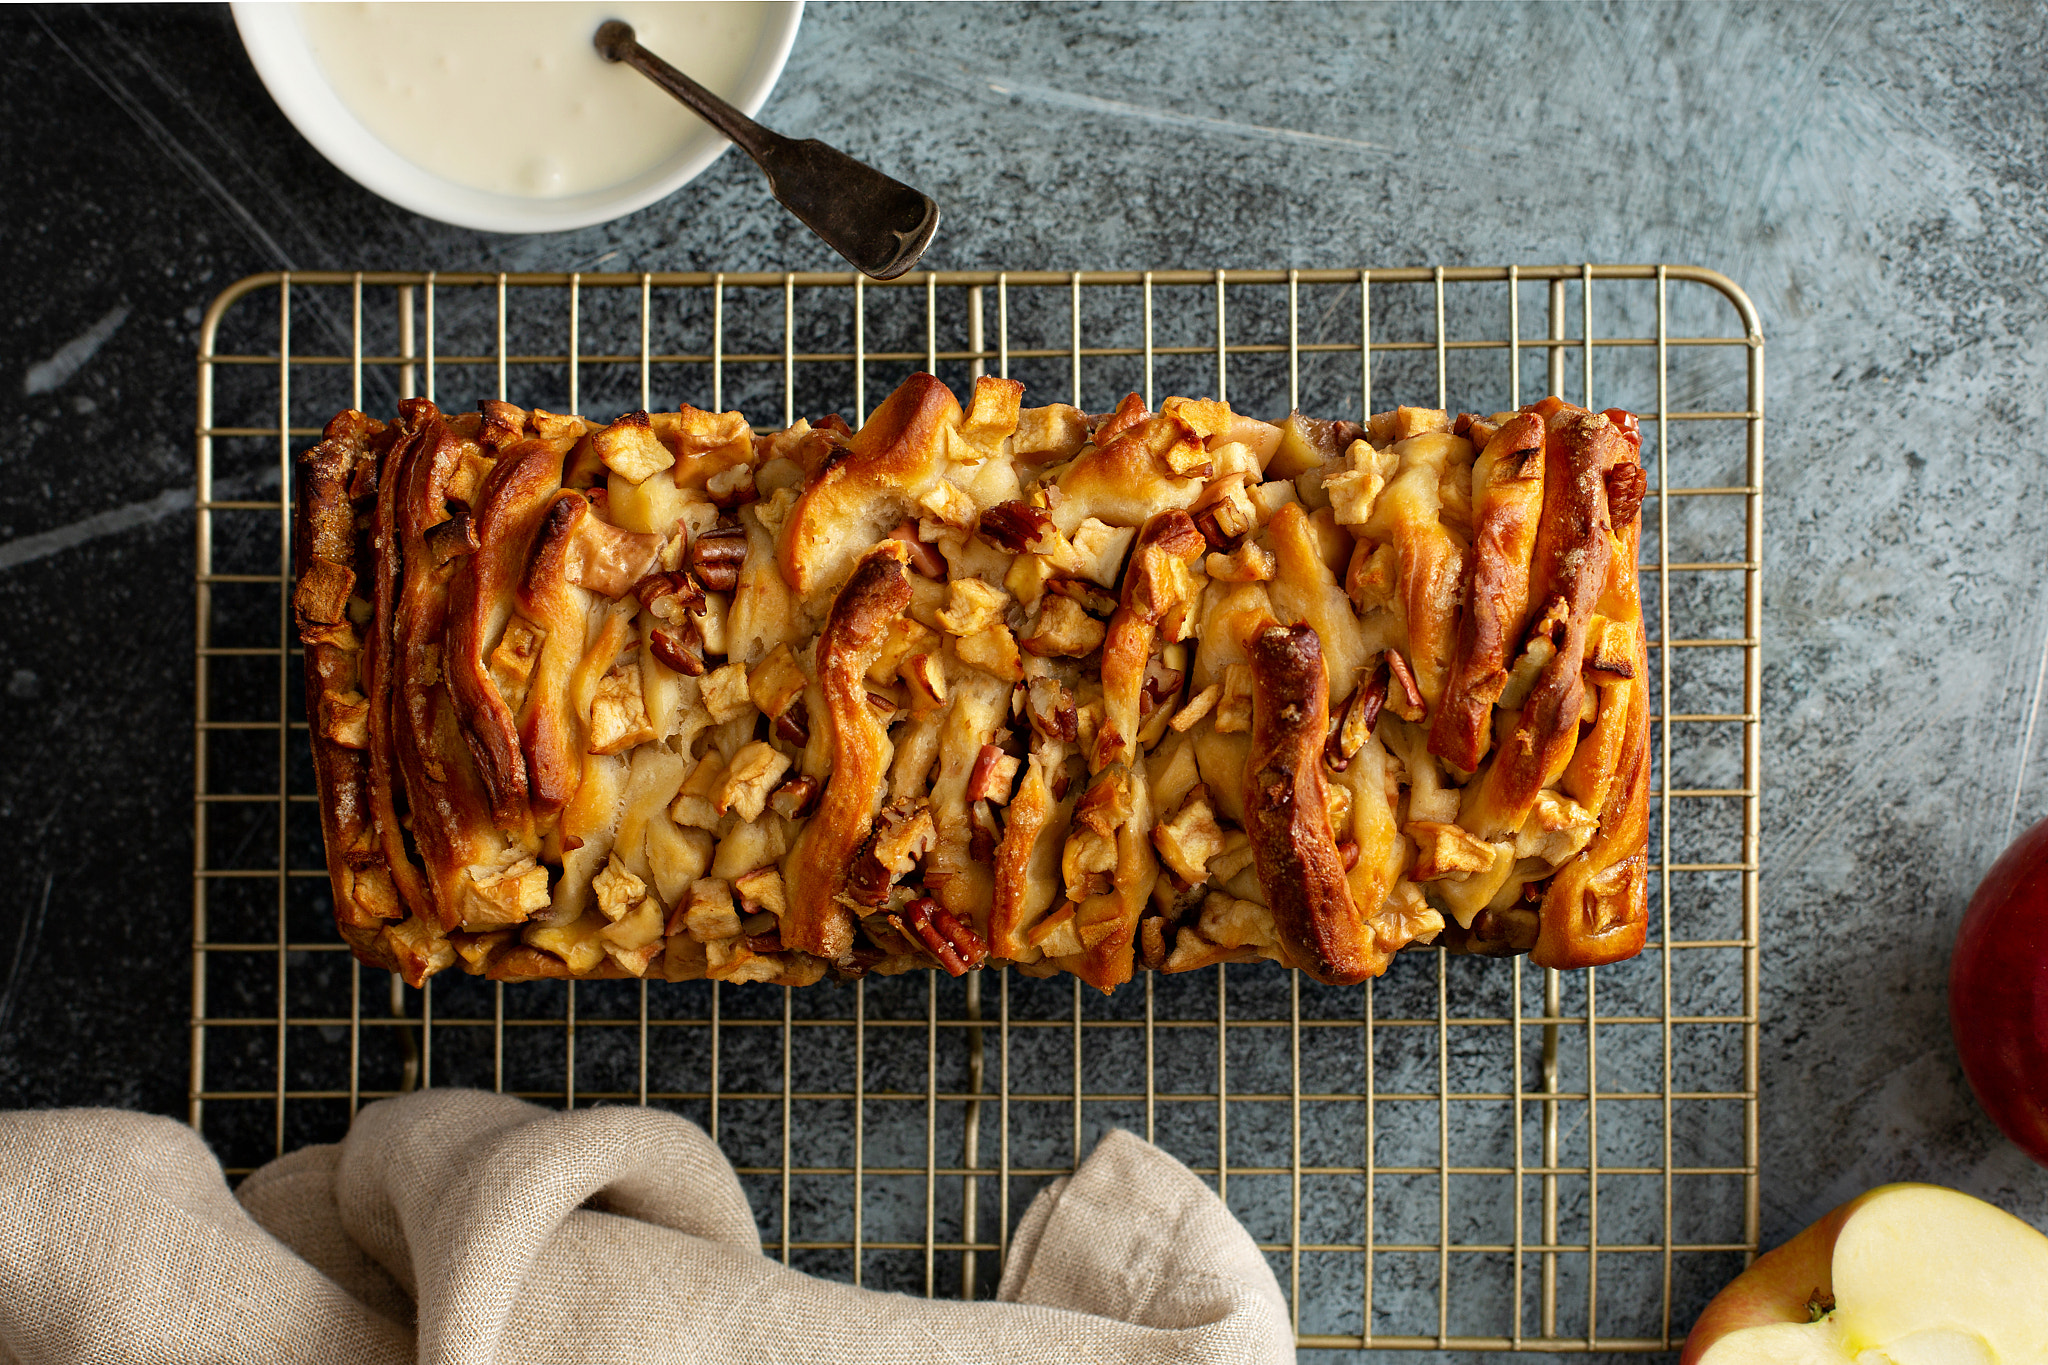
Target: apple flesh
x,y
1998,992
1903,1275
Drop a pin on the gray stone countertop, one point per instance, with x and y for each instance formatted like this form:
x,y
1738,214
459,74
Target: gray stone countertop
x,y
1875,177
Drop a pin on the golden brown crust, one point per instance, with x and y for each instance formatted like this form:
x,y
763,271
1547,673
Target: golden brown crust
x,y
1596,909
818,864
1107,923
325,557
1431,560
451,820
508,509
1287,812
380,666
891,461
1025,876
1568,574
1131,470
550,731
1156,585
1508,483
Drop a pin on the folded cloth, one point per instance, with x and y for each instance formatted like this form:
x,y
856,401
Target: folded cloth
x,y
458,1228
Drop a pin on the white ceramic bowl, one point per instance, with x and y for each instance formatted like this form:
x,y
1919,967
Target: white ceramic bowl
x,y
277,44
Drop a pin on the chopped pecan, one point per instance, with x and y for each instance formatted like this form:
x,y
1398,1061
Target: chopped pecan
x,y
670,596
1407,702
1051,708
1220,541
1016,526
1162,684
867,881
1347,849
992,777
902,834
715,557
794,724
1361,713
1092,599
795,798
1552,624
1106,805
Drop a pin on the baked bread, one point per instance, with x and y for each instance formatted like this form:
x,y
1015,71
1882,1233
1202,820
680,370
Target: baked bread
x,y
675,698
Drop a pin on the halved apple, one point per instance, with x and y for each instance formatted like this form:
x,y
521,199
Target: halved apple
x,y
1902,1275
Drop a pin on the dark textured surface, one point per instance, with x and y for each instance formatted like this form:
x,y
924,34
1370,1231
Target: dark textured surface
x,y
1876,179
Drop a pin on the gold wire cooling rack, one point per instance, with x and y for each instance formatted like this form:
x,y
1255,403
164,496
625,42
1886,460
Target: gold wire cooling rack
x,y
1465,1154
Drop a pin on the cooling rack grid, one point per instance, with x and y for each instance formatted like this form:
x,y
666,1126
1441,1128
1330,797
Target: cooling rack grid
x,y
1465,1154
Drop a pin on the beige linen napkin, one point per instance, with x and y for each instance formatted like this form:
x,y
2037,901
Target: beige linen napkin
x,y
457,1228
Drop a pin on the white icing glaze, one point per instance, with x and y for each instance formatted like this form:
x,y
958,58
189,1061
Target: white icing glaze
x,y
511,97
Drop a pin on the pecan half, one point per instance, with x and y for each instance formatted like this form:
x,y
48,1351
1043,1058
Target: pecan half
x,y
958,948
680,646
1626,486
716,556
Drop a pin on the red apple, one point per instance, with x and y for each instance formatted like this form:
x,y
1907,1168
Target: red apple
x,y
1905,1274
1998,992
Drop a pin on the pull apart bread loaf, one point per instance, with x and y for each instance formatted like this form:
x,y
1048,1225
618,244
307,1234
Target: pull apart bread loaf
x,y
675,698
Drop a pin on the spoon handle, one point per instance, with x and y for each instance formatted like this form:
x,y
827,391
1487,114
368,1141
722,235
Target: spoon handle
x,y
875,221
749,136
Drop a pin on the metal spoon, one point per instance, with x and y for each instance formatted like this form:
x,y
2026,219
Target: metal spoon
x,y
878,223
